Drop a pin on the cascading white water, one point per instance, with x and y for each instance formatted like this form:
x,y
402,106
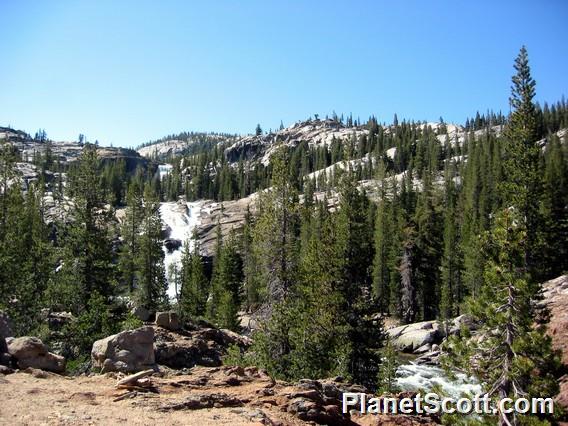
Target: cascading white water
x,y
414,377
164,170
180,218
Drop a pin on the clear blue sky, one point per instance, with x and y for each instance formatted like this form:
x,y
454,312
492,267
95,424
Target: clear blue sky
x,y
125,72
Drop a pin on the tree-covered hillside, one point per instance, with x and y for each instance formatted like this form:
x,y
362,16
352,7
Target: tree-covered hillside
x,y
352,223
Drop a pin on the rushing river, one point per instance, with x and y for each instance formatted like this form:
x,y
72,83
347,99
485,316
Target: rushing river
x,y
414,377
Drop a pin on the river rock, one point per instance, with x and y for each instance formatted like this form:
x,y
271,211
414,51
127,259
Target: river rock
x,y
128,351
423,349
31,352
410,337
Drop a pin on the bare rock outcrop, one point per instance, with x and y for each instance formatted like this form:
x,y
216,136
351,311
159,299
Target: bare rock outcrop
x,y
128,351
31,352
229,215
555,298
198,346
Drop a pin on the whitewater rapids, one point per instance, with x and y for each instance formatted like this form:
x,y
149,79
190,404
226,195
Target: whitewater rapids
x,y
179,219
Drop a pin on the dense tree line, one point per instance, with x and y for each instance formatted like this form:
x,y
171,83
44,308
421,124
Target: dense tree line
x,y
78,263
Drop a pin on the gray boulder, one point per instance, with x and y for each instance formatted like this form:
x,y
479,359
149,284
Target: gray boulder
x,y
31,352
410,337
168,320
128,351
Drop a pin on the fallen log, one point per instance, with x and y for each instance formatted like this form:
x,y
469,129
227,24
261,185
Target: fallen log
x,y
134,377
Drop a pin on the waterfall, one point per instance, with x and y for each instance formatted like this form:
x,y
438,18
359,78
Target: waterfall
x,y
179,219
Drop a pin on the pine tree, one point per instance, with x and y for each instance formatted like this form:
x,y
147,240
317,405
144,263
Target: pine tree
x,y
224,303
307,334
151,280
194,283
408,303
26,260
514,349
130,232
522,182
386,377
253,287
353,245
383,241
450,291
554,215
426,252
319,326
274,249
87,255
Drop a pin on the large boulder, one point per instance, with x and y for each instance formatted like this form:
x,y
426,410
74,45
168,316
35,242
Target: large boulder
x,y
420,336
410,337
31,352
128,351
168,320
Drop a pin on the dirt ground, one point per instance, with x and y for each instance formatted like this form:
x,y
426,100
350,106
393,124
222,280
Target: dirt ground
x,y
57,400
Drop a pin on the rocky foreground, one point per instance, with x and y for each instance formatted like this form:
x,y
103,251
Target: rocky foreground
x,y
184,382
205,396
